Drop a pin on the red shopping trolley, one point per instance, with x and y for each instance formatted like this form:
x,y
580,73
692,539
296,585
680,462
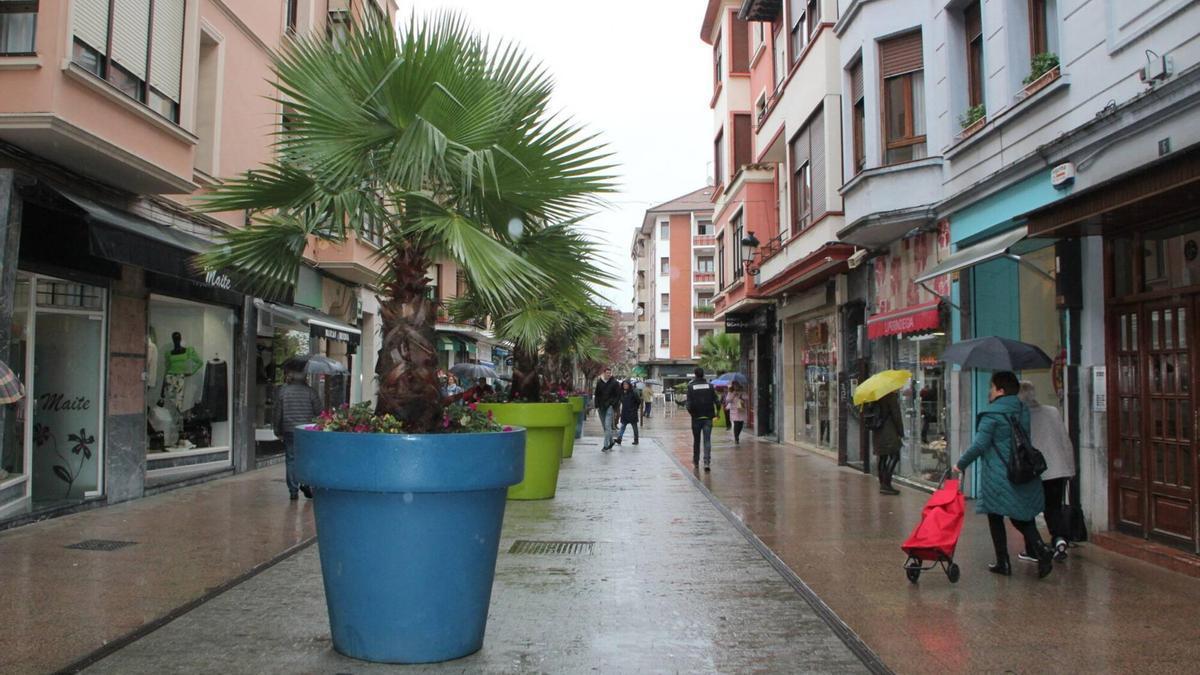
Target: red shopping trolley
x,y
933,541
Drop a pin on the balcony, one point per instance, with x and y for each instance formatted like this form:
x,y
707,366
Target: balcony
x,y
354,261
704,277
703,312
704,240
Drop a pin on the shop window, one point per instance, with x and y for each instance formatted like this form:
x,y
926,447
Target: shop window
x,y
52,293
902,70
1170,259
18,27
814,386
189,375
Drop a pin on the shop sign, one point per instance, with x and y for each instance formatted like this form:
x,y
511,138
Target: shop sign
x,y
747,323
334,334
923,317
907,260
217,280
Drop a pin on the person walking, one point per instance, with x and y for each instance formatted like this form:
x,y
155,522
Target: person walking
x,y
451,390
647,399
295,404
702,405
735,402
607,398
631,408
1049,434
998,496
887,437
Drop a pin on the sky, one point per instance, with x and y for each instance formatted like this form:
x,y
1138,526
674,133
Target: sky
x,y
636,72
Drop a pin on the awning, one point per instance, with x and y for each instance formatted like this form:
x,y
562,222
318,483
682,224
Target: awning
x,y
916,318
1008,245
319,324
453,343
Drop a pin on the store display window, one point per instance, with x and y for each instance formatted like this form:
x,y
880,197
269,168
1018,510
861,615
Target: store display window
x,y
189,376
815,378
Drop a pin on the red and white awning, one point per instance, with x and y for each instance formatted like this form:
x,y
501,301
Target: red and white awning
x,y
913,319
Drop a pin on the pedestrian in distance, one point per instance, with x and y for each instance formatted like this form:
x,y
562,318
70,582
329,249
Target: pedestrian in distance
x,y
887,436
1049,434
999,497
647,399
631,408
296,403
702,406
735,403
607,398
451,390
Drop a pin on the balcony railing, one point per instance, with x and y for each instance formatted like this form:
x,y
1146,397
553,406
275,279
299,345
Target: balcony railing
x,y
703,311
704,240
704,277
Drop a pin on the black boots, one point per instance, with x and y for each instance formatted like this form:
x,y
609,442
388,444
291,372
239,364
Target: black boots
x,y
1001,566
1045,560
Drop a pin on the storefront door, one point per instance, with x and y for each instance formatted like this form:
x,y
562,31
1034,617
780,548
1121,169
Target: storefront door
x,y
1155,455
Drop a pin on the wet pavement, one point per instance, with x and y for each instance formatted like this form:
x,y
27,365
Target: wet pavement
x,y
680,579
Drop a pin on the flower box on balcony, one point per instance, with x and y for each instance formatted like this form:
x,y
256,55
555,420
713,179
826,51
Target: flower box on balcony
x,y
705,311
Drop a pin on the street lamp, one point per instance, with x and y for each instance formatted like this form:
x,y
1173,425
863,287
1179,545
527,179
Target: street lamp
x,y
749,245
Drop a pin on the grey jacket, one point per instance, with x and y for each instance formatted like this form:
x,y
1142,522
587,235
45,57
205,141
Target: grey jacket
x,y
295,404
1049,435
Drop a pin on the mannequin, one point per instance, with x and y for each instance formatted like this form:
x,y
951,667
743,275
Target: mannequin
x,y
182,363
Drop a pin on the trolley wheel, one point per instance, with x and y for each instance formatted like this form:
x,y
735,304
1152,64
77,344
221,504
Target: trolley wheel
x,y
952,573
913,573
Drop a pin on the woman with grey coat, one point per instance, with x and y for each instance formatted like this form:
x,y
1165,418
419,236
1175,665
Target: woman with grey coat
x,y
998,496
1049,434
887,439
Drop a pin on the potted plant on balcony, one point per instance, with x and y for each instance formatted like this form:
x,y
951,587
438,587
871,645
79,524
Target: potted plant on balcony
x,y
442,141
973,120
1043,69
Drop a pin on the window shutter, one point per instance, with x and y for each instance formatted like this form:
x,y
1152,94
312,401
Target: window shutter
x,y
740,42
800,150
856,82
741,141
91,23
901,55
795,11
816,135
166,58
131,35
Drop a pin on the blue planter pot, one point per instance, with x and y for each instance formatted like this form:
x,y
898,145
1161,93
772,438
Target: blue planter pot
x,y
409,529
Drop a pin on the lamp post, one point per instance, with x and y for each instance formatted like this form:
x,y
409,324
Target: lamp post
x,y
749,246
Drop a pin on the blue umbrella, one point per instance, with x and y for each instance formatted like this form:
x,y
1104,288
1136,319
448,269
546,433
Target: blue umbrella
x,y
727,379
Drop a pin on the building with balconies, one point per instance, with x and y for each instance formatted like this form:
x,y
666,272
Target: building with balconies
x,y
674,253
114,114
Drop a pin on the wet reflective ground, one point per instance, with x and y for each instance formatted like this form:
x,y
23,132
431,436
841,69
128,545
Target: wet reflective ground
x,y
1097,612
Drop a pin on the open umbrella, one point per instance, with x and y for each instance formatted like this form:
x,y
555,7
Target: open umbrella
x,y
727,379
471,372
11,389
996,353
879,385
322,365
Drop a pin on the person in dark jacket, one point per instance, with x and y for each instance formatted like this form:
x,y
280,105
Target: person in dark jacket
x,y
702,405
631,404
295,404
887,439
607,398
998,496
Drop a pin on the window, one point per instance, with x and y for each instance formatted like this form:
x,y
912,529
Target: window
x,y
807,156
736,224
973,22
858,116
814,17
139,51
758,35
760,108
1043,23
799,31
704,264
664,230
704,227
664,338
719,158
703,333
717,61
902,70
664,266
779,52
721,261
208,100
18,26
742,139
739,42
704,298
291,14
664,302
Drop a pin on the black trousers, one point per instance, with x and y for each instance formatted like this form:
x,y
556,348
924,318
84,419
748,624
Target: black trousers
x,y
737,430
887,467
1056,513
1033,540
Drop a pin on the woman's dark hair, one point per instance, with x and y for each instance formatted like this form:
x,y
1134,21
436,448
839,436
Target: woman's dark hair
x,y
1006,382
627,384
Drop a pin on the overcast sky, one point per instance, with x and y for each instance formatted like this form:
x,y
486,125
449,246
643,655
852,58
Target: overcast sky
x,y
633,70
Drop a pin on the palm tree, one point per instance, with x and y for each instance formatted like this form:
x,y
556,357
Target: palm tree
x,y
720,352
448,143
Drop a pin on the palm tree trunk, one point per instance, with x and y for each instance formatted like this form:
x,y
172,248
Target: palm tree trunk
x,y
407,364
527,381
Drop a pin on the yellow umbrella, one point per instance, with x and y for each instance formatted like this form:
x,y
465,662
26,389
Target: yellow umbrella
x,y
879,385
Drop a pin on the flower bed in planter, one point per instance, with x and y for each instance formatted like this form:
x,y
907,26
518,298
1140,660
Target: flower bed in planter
x,y
544,425
409,529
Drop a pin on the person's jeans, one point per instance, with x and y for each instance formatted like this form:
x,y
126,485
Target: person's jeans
x,y
289,459
1028,530
701,427
606,421
1056,515
621,433
647,412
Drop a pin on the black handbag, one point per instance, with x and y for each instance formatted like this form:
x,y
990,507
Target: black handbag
x,y
1027,462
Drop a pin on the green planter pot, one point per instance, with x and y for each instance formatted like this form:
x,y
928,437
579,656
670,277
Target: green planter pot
x,y
573,430
544,424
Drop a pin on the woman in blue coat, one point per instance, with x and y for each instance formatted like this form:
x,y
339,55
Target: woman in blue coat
x,y
998,496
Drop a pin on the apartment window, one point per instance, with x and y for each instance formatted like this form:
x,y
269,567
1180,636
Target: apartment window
x,y
902,70
664,266
799,30
758,35
858,115
704,264
438,295
719,158
717,59
760,108
641,281
1043,23
208,101
291,14
704,298
808,171
742,139
779,52
18,27
735,224
973,22
704,227
664,302
664,338
664,230
739,41
721,261
641,343
703,333
813,15
138,51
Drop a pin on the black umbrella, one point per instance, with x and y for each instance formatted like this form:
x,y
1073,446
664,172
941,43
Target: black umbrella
x,y
996,353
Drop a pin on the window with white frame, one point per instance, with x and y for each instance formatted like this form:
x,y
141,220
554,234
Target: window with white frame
x,y
18,27
704,227
664,230
664,301
705,264
664,338
664,266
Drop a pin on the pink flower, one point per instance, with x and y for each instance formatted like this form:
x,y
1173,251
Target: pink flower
x,y
508,428
446,422
490,415
473,406
362,429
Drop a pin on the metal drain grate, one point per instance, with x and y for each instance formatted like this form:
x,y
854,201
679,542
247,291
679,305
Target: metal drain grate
x,y
529,547
100,545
